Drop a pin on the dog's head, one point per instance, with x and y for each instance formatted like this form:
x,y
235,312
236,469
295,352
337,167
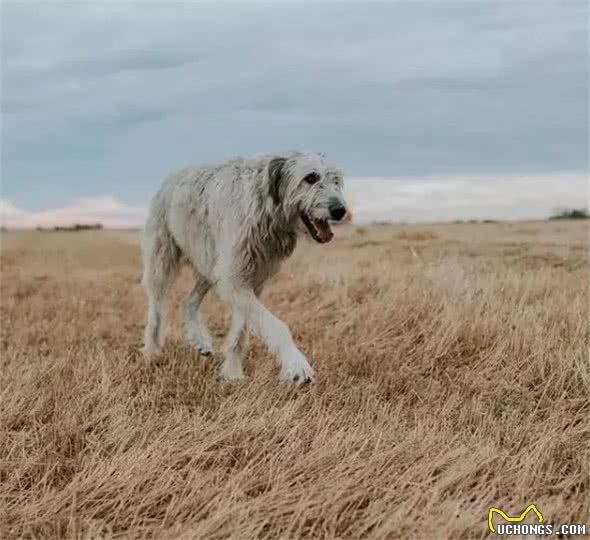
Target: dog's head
x,y
307,189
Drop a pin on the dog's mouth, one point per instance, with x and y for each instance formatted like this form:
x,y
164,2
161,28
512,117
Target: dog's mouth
x,y
319,229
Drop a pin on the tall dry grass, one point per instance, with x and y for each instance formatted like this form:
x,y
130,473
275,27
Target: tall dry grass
x,y
452,375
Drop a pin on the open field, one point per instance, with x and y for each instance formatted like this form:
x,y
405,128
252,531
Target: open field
x,y
452,375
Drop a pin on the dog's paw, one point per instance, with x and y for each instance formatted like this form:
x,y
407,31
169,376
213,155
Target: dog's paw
x,y
231,369
200,343
295,367
150,354
204,351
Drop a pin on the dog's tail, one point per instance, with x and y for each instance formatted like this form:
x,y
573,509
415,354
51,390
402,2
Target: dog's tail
x,y
160,253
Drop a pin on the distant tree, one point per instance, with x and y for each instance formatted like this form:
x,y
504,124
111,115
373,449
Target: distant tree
x,y
79,227
571,213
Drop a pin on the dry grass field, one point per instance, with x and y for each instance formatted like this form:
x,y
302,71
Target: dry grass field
x,y
452,375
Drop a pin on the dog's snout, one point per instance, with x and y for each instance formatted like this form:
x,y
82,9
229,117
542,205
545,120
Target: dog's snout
x,y
337,209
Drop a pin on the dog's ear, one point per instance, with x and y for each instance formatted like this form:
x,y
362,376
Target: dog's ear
x,y
276,178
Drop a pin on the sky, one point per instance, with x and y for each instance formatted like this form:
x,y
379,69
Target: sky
x,y
435,109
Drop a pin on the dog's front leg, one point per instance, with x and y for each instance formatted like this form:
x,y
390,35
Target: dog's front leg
x,y
233,349
273,332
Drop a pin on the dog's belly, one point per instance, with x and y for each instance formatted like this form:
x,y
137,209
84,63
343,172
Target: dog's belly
x,y
195,241
188,224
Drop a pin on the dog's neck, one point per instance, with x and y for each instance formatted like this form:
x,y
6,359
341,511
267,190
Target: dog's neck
x,y
265,243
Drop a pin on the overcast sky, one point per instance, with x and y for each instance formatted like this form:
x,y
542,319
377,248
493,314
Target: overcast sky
x,y
477,102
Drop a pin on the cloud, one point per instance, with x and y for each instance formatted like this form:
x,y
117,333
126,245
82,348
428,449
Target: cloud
x,y
429,198
11,214
110,96
466,197
103,209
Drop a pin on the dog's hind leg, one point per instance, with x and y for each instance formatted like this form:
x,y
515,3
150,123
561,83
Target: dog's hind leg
x,y
235,344
161,259
196,328
233,348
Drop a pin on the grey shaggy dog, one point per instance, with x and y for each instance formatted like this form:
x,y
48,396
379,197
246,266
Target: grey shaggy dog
x,y
234,223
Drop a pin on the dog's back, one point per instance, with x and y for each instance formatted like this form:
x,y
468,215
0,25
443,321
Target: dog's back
x,y
198,211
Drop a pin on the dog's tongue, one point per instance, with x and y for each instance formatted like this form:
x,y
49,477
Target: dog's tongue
x,y
323,228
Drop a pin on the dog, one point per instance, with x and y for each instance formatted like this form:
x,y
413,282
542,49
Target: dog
x,y
234,223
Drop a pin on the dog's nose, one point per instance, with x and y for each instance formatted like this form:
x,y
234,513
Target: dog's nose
x,y
336,209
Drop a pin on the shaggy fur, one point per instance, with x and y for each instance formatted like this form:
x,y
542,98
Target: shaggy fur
x,y
234,223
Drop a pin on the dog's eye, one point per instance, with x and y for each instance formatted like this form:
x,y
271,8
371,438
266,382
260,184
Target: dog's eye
x,y
312,178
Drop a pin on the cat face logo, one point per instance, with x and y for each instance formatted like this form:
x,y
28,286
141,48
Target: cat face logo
x,y
529,508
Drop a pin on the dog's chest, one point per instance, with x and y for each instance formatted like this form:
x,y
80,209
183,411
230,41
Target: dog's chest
x,y
264,251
